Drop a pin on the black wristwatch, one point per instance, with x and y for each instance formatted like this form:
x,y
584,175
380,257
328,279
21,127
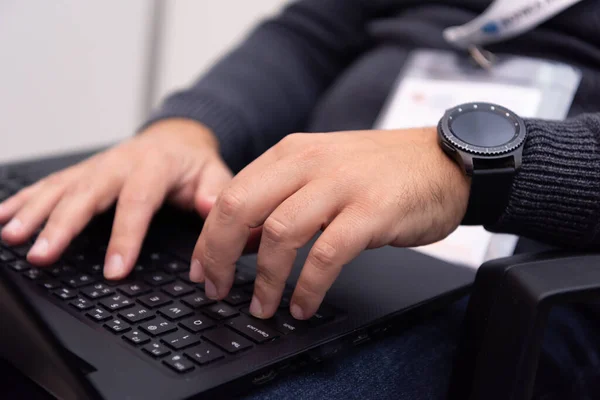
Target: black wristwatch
x,y
486,140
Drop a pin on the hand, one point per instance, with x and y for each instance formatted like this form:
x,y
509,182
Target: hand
x,y
174,159
364,189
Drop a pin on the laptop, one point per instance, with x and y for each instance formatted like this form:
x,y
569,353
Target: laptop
x,y
155,335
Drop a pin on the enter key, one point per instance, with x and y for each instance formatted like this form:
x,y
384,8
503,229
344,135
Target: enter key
x,y
254,329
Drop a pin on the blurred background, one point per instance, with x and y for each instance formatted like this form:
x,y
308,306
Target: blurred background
x,y
77,74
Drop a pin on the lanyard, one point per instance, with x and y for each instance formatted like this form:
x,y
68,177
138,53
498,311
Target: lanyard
x,y
502,20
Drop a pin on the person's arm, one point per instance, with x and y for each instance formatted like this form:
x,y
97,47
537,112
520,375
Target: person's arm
x,y
267,87
555,196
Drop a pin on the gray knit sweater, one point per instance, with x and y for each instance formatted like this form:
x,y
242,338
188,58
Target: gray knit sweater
x,y
324,65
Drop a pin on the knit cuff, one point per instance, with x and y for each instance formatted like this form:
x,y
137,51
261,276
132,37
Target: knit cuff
x,y
227,127
555,196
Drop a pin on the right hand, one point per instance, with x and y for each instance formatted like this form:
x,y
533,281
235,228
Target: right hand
x,y
176,160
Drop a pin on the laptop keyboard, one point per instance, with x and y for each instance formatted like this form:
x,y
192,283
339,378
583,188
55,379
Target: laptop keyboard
x,y
157,310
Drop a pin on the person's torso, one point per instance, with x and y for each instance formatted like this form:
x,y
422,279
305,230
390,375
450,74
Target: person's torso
x,y
357,96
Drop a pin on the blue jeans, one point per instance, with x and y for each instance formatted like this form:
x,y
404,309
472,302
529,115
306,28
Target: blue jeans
x,y
416,364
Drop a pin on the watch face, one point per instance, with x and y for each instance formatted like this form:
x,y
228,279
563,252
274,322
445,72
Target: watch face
x,y
482,128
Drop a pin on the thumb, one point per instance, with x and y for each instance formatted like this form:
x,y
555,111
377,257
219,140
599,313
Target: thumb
x,y
214,178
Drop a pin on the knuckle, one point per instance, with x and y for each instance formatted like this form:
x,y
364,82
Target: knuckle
x,y
267,278
275,230
231,202
323,255
309,288
135,198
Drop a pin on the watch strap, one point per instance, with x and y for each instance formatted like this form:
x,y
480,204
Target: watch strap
x,y
490,191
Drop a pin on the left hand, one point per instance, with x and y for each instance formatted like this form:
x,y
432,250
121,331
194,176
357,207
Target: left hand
x,y
364,189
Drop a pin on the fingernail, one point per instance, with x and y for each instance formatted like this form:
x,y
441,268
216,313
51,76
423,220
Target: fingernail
x,y
256,307
211,199
114,266
297,311
196,271
210,289
13,227
40,248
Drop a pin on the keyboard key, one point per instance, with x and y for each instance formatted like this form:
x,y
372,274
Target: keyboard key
x,y
97,291
180,339
220,311
175,267
65,293
136,314
139,268
50,284
34,274
154,300
175,311
197,323
6,256
62,271
20,265
94,269
177,289
179,364
79,280
323,314
134,289
227,340
136,337
156,350
237,297
117,302
158,278
82,304
197,300
156,258
243,278
158,327
185,276
204,354
21,250
287,324
253,328
99,314
117,326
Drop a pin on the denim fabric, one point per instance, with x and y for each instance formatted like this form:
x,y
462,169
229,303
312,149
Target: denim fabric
x,y
416,364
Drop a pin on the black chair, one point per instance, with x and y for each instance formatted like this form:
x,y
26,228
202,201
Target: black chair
x,y
507,312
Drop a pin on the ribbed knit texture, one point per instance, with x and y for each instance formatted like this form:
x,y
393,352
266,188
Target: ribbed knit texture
x,y
325,65
556,195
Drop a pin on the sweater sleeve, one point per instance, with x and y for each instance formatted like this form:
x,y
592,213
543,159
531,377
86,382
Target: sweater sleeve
x,y
267,87
555,197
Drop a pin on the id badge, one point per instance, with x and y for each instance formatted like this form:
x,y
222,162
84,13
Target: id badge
x,y
433,81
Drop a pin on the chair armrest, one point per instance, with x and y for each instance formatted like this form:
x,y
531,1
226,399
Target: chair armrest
x,y
499,348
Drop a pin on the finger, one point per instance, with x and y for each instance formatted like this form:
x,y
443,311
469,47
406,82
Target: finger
x,y
35,211
214,178
245,204
90,195
142,194
10,206
288,228
341,242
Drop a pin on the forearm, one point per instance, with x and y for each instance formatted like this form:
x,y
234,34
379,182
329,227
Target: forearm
x,y
555,196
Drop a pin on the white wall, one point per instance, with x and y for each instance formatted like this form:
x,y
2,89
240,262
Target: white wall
x,y
72,72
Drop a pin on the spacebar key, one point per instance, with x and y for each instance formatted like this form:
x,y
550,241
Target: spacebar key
x,y
227,340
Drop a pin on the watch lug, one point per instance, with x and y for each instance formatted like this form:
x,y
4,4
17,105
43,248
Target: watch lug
x,y
467,162
518,158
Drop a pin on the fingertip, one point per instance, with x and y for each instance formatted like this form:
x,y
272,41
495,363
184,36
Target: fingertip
x,y
297,312
196,271
12,230
114,268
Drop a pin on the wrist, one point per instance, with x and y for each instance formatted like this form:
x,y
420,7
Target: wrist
x,y
187,130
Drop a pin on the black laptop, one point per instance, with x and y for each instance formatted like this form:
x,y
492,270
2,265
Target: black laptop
x,y
156,335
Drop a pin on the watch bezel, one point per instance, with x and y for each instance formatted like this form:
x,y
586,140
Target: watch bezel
x,y
515,143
